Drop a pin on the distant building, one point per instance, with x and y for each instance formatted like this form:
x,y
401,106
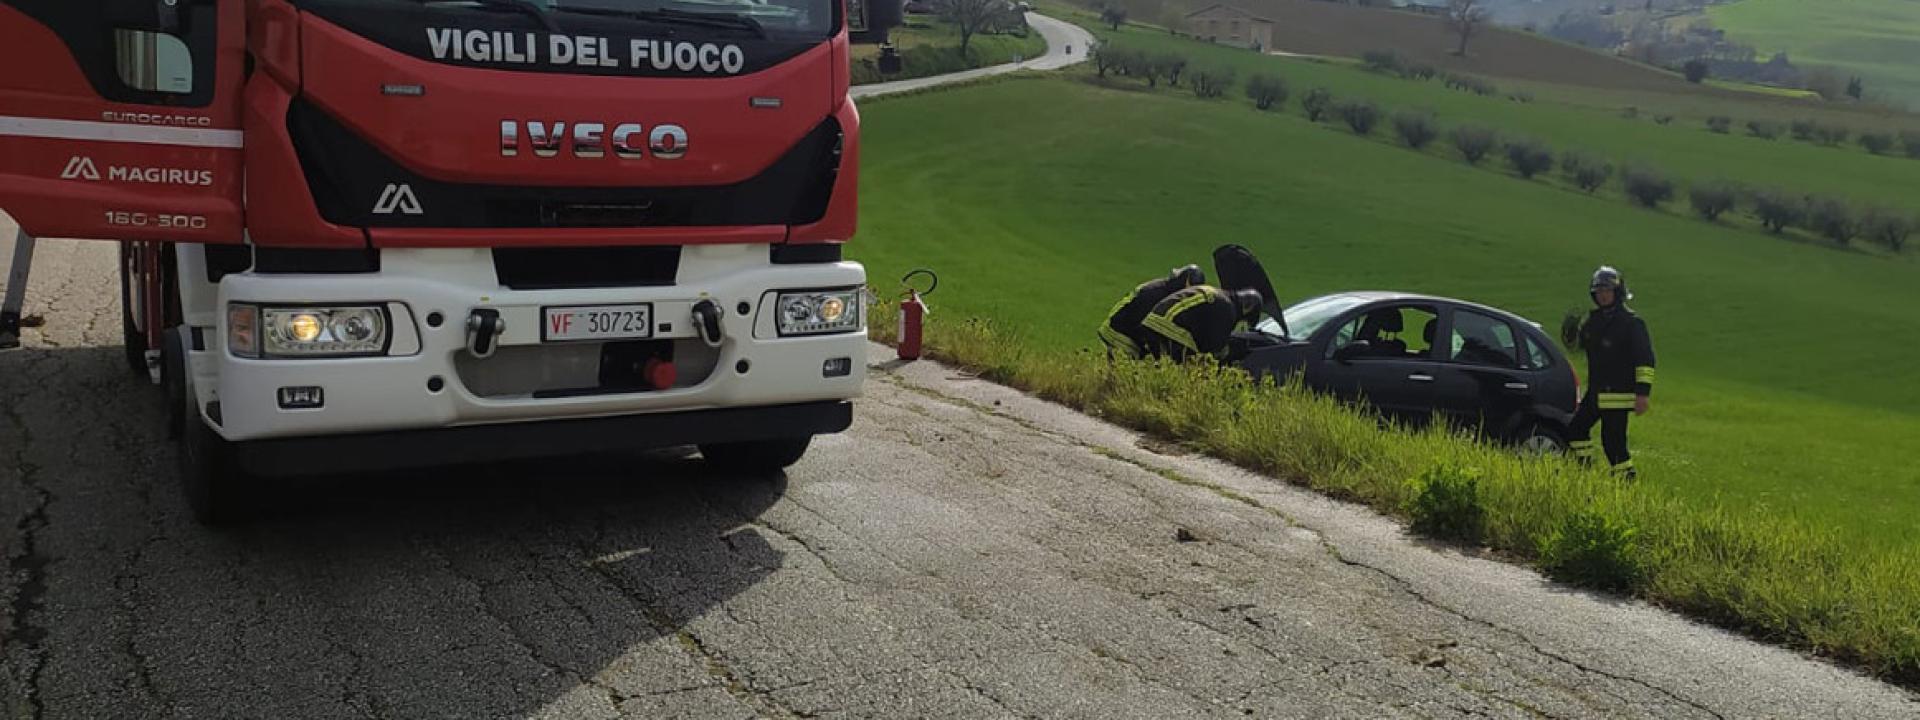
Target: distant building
x,y
1425,7
1228,25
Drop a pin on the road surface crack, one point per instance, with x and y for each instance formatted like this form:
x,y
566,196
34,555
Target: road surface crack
x,y
27,566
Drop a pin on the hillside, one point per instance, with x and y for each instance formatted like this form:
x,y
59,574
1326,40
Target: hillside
x,y
1876,39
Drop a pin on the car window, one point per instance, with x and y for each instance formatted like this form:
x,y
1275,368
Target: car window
x,y
1394,331
1482,339
1308,315
1537,357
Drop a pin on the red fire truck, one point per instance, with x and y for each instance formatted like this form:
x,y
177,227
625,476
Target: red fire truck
x,y
387,233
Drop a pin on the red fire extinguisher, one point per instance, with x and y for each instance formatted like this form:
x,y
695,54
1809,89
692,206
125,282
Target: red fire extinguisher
x,y
913,313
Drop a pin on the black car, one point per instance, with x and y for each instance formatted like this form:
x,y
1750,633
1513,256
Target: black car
x,y
1413,357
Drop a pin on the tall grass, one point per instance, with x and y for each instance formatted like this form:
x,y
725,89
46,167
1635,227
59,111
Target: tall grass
x,y
1771,576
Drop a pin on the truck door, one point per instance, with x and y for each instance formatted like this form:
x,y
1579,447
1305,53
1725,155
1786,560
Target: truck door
x,y
120,119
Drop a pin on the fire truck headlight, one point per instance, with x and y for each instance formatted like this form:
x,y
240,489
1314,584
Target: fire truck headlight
x,y
818,312
344,331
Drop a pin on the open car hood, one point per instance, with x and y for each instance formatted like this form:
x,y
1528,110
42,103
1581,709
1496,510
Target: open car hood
x,y
1236,268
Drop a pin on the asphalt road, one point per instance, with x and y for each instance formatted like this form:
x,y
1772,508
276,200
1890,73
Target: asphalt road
x,y
1067,44
962,552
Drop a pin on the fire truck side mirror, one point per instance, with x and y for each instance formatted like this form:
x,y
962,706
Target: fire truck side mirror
x,y
153,61
156,16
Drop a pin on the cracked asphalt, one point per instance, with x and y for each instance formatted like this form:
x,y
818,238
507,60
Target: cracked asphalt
x,y
962,552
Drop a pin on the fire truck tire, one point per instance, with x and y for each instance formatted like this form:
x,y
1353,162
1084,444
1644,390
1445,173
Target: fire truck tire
x,y
756,456
130,336
210,480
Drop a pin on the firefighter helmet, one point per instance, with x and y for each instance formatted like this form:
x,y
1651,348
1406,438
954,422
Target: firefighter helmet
x,y
1248,302
1188,276
1608,277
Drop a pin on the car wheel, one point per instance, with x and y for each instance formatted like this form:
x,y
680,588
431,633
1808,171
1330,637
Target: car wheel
x,y
757,456
209,478
1542,441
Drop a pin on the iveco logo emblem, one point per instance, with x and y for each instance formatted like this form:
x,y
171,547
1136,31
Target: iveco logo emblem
x,y
592,140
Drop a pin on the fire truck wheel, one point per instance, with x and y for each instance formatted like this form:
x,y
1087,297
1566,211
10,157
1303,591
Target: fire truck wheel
x,y
209,478
756,456
130,336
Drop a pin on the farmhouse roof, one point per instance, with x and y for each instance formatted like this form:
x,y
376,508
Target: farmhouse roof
x,y
1211,8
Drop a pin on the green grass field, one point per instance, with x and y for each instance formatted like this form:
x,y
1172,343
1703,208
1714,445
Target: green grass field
x,y
1877,39
931,46
1785,385
1787,390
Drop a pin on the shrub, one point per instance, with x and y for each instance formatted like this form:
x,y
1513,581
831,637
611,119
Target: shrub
x,y
1663,119
1878,143
1910,141
1108,58
1585,171
1171,66
1696,70
1778,209
1471,84
1720,124
1594,550
1831,135
1763,129
1444,502
1416,129
1713,198
1212,82
1832,218
1805,130
1144,65
1316,103
1521,97
1266,91
1360,115
1630,112
1529,157
1381,60
1474,142
1647,186
1419,71
1889,228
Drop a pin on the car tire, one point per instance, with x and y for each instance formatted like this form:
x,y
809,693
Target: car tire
x,y
131,337
1541,440
174,405
758,456
210,479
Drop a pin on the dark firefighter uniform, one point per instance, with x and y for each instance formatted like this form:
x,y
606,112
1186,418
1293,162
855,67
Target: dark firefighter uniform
x,y
1197,321
1620,368
1121,331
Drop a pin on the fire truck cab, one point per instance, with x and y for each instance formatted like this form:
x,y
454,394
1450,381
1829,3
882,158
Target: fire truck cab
x,y
363,234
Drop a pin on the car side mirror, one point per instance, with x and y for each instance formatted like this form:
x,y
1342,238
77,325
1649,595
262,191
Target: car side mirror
x,y
1352,350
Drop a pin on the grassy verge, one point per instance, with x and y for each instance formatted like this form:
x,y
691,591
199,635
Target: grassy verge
x,y
930,46
1745,571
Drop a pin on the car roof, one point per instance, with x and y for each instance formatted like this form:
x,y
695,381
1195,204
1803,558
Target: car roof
x,y
1373,296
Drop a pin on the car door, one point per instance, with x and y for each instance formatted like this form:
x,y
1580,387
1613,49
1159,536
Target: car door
x,y
1480,380
1394,373
120,119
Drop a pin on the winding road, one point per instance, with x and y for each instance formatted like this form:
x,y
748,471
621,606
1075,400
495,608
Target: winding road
x,y
1067,45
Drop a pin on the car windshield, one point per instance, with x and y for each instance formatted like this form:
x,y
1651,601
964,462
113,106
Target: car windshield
x,y
1307,316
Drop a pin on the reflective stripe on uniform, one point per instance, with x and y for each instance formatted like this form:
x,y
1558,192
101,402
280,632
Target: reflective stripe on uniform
x,y
1187,303
1616,401
1165,327
1643,374
1623,466
1131,294
1118,341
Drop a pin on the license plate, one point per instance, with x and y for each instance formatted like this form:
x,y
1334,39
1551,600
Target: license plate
x,y
596,322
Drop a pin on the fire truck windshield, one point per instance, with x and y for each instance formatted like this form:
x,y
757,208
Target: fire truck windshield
x,y
791,19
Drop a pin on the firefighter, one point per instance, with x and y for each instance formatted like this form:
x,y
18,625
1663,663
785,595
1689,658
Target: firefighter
x,y
1197,321
1619,372
1121,331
